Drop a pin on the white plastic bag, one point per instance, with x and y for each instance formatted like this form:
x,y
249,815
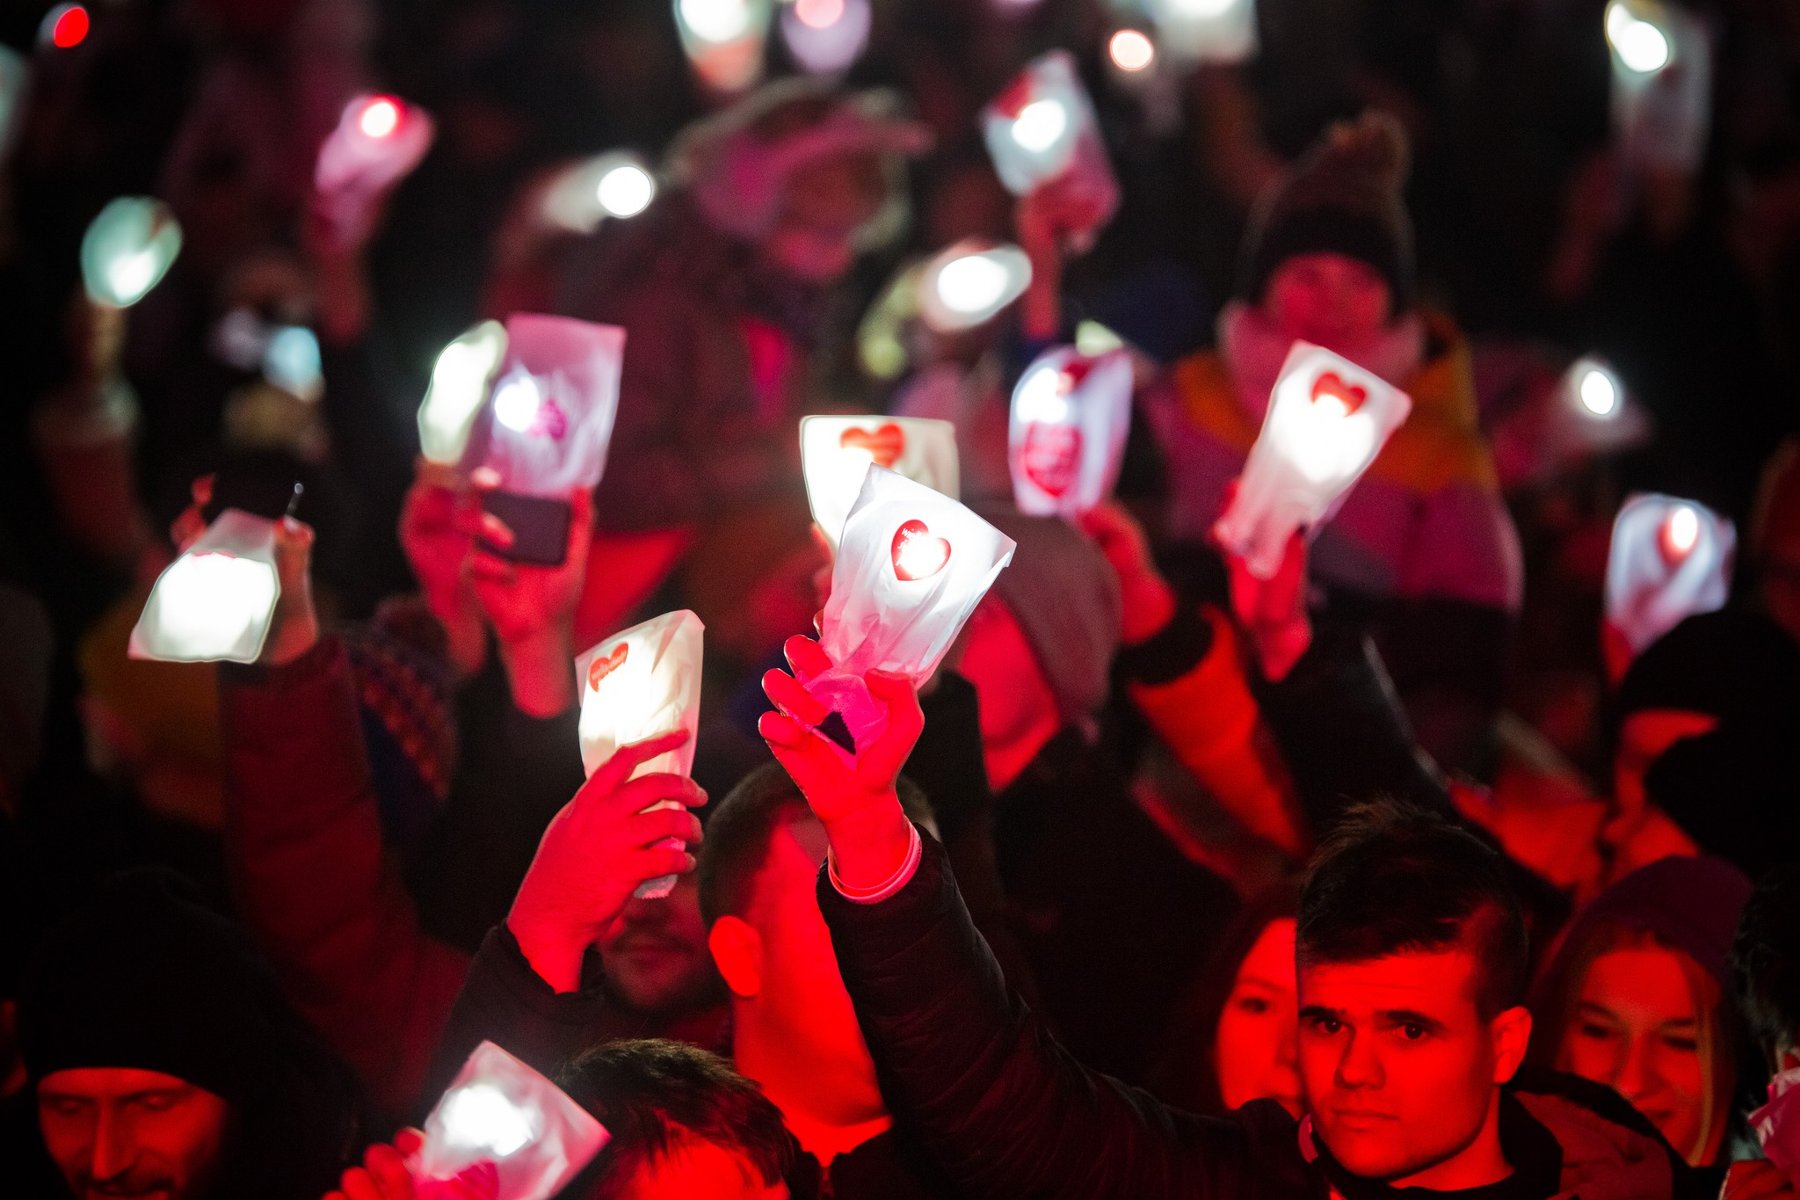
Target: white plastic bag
x,y
1041,132
1327,420
378,141
1669,559
216,601
970,283
1662,65
637,684
1070,415
460,380
127,250
911,566
501,1111
835,453
549,415
724,40
1206,31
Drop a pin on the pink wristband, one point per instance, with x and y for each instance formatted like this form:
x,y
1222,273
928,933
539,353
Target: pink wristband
x,y
899,879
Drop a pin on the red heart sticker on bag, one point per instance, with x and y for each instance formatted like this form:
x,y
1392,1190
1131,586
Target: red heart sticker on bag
x,y
1051,457
1350,395
605,665
1017,94
884,445
549,422
917,552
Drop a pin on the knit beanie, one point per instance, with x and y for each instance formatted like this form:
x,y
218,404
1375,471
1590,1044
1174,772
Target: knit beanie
x,y
1692,904
1343,196
144,977
1065,597
1730,664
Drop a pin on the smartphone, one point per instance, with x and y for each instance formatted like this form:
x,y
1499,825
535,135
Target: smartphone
x,y
539,524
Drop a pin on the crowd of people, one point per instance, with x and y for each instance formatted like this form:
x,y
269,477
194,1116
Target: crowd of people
x,y
1417,863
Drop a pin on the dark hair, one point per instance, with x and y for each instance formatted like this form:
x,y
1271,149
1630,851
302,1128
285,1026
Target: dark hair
x,y
653,1096
738,832
1396,877
1765,961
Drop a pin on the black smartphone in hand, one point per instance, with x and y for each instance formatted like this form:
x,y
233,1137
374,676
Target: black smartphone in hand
x,y
539,524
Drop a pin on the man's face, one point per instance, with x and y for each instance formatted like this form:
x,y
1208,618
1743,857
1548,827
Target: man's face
x,y
695,1167
1333,300
655,954
116,1131
1399,1069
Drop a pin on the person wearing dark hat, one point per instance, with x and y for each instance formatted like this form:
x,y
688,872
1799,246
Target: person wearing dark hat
x,y
1424,541
165,1062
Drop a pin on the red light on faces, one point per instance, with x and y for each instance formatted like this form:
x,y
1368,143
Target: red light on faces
x,y
380,117
69,26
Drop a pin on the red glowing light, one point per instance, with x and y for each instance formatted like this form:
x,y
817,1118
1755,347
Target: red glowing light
x,y
380,118
70,27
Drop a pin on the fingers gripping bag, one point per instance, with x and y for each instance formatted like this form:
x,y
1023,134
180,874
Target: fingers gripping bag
x,y
835,453
217,600
500,1111
1669,560
637,684
1070,415
1041,131
1327,420
911,566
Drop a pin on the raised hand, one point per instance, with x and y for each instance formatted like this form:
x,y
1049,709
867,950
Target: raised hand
x,y
596,852
438,547
1148,602
853,795
384,1176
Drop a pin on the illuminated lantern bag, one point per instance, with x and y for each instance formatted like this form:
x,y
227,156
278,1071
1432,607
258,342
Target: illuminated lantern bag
x,y
377,142
1327,420
215,602
635,685
501,1111
1211,31
127,250
970,283
1662,67
826,37
1041,131
1070,415
1777,1123
1669,560
546,425
835,453
459,387
911,566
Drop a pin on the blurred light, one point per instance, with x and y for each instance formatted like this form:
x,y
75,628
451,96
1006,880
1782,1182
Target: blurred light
x,y
131,274
818,14
971,284
1681,532
1200,8
715,20
625,190
128,249
380,118
1039,124
1131,50
1043,396
210,601
481,1116
1599,394
65,26
516,403
459,382
291,362
1094,339
1640,45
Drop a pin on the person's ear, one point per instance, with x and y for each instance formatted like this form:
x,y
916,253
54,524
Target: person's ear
x,y
737,952
1511,1031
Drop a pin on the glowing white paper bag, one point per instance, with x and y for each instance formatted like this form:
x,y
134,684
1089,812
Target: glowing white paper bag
x,y
501,1111
1212,31
617,184
378,141
1669,559
1661,83
911,566
1070,415
724,40
1327,420
127,250
970,283
549,416
826,37
835,453
1041,131
459,387
635,685
215,601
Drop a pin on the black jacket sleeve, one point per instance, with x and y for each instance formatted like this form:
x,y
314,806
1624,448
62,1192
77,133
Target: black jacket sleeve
x,y
1000,1106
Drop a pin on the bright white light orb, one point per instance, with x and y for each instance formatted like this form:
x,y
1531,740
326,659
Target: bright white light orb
x,y
1042,397
1640,45
971,284
379,119
516,403
210,601
715,20
1201,8
819,14
132,274
1131,50
1040,124
625,190
291,361
481,1117
1681,531
1599,394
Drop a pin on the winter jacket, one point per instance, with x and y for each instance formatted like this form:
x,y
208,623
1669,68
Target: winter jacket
x,y
1007,1112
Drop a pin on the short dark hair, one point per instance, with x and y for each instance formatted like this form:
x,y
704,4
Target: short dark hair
x,y
1396,877
654,1095
738,833
1765,961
